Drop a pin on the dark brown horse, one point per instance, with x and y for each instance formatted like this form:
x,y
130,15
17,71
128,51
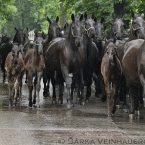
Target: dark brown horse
x,y
133,68
62,57
111,71
34,65
14,66
7,47
136,31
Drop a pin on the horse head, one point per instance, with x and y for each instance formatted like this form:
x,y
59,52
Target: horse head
x,y
18,38
31,36
76,29
54,29
138,25
99,29
90,26
111,49
16,49
118,28
39,43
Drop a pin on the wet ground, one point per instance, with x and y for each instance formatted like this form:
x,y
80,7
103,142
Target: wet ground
x,y
57,125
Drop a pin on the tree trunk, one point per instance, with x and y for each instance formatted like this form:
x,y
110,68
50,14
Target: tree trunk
x,y
64,15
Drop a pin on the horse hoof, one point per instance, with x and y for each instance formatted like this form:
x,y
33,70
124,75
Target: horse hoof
x,y
82,103
87,101
77,99
70,106
30,104
97,95
118,106
109,114
54,102
45,95
34,101
131,116
125,110
137,112
38,106
26,82
103,99
60,101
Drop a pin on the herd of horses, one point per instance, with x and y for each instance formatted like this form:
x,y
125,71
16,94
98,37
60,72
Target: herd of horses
x,y
116,64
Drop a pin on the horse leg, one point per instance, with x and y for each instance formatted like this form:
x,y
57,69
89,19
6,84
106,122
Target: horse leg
x,y
133,93
81,86
53,88
26,80
88,92
74,79
16,88
123,93
61,88
30,87
68,86
103,96
115,95
45,94
38,87
10,88
97,84
136,101
3,70
20,88
108,93
34,96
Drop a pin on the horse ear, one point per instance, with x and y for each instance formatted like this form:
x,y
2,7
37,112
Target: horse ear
x,y
15,28
132,13
57,19
106,41
93,15
95,19
42,33
81,17
113,16
110,23
85,15
114,40
27,29
123,17
102,20
34,29
142,15
36,34
104,27
72,17
48,19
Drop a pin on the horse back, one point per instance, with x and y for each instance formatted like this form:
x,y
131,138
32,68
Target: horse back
x,y
129,61
14,68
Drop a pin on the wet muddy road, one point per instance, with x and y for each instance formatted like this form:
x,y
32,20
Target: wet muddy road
x,y
57,125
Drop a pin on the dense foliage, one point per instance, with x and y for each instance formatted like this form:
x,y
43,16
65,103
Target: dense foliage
x,y
32,13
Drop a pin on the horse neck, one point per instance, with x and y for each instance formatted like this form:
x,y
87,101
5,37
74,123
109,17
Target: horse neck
x,y
70,39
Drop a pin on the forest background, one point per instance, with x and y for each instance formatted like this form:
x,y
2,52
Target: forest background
x,y
33,13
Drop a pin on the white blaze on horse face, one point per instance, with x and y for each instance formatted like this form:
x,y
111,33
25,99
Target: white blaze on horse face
x,y
31,36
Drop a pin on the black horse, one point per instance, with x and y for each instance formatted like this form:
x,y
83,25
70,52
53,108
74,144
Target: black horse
x,y
62,57
92,54
53,32
100,43
137,26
